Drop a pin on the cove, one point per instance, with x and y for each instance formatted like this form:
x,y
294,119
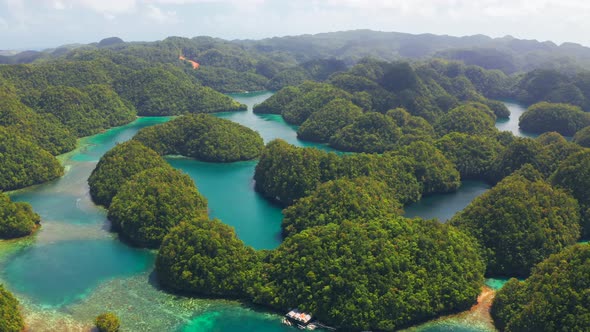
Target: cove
x,y
229,189
74,269
511,124
444,206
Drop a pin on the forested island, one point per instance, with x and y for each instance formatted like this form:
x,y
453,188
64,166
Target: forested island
x,y
203,137
403,130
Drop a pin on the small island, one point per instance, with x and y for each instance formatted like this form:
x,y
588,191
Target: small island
x,y
203,137
563,118
520,222
151,202
17,219
553,298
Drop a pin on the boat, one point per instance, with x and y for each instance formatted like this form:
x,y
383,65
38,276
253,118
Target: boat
x,y
300,319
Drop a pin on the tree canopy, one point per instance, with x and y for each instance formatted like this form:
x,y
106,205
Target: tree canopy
x,y
582,137
118,166
349,275
519,152
343,199
85,111
44,130
471,154
286,173
371,132
573,174
325,123
520,222
23,163
380,274
562,118
205,257
152,202
203,137
17,219
311,100
11,318
163,91
473,119
433,170
554,298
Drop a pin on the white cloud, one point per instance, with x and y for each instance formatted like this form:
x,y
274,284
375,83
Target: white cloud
x,y
99,6
59,5
160,16
558,20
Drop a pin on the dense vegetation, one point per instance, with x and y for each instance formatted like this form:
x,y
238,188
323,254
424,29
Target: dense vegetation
x,y
163,91
325,123
82,92
276,62
203,137
573,174
312,98
205,257
425,90
84,111
557,148
554,86
562,118
507,54
433,170
347,257
353,274
107,322
17,219
118,166
45,130
473,119
382,274
519,152
335,201
554,298
372,132
23,163
471,154
582,137
520,222
286,173
10,317
152,202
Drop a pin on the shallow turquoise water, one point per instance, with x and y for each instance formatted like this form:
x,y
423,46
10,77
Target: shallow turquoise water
x,y
496,283
60,273
74,269
269,126
229,189
97,145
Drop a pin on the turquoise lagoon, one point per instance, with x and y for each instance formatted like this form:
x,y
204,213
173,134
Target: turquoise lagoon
x,y
74,269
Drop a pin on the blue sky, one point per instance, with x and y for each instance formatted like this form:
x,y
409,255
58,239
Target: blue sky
x,y
47,23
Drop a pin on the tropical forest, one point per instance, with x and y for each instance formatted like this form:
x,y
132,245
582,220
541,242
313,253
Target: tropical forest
x,y
357,180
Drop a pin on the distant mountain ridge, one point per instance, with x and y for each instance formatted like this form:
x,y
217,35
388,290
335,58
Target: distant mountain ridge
x,y
349,46
506,53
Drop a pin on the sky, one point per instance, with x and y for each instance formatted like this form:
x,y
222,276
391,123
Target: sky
x,y
37,24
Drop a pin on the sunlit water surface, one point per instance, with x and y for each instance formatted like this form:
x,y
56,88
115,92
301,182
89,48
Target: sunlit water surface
x,y
74,269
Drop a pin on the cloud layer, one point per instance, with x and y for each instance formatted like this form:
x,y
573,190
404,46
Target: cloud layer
x,y
44,23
